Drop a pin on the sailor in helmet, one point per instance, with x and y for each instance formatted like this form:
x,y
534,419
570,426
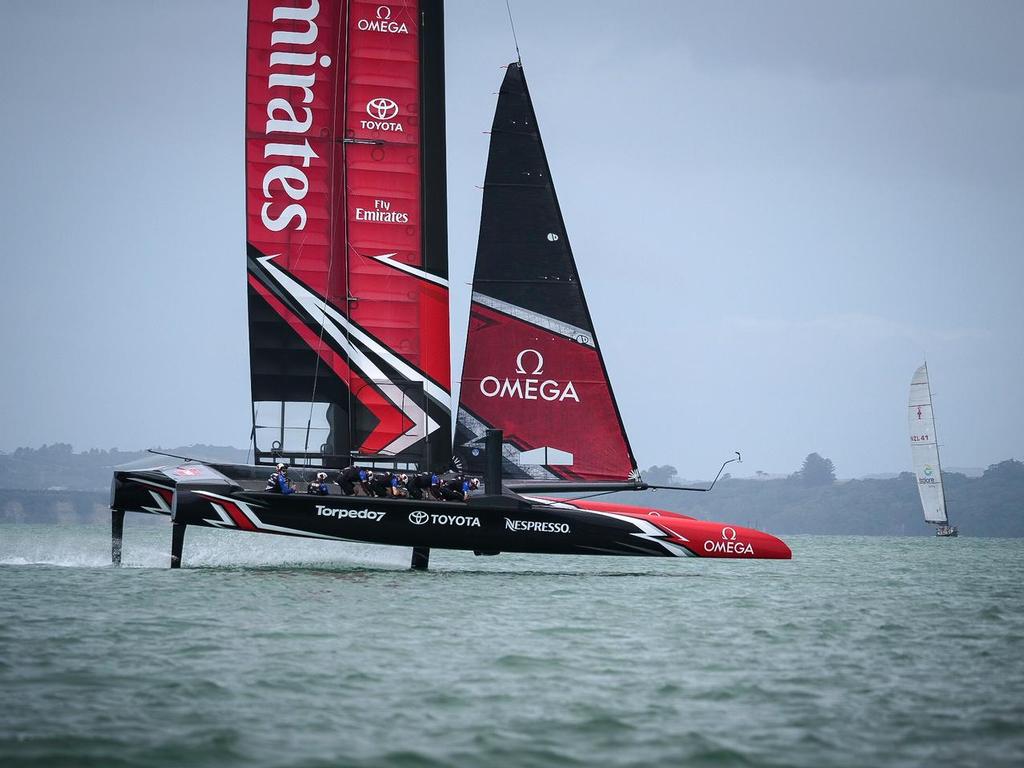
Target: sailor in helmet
x,y
381,484
458,488
278,481
318,485
423,485
400,485
353,481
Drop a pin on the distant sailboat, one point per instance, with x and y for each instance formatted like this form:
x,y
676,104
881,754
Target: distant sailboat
x,y
925,450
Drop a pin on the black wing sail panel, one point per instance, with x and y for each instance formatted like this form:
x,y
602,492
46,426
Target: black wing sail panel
x,y
533,367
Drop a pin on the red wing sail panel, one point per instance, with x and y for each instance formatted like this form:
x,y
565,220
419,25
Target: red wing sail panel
x,y
348,294
533,367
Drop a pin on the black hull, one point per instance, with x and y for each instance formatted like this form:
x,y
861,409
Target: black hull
x,y
218,496
486,524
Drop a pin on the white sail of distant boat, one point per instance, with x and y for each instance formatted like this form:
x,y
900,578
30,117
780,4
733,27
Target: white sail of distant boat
x,y
925,450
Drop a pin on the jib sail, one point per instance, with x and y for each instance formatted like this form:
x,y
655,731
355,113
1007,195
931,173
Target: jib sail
x,y
533,367
346,229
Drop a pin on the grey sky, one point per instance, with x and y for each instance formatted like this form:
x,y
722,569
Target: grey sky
x,y
778,210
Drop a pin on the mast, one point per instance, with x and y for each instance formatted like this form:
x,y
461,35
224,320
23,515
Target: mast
x,y
533,366
347,232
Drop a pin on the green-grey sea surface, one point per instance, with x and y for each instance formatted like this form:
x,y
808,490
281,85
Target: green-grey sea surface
x,y
266,651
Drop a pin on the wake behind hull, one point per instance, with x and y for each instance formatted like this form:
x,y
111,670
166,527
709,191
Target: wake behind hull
x,y
486,524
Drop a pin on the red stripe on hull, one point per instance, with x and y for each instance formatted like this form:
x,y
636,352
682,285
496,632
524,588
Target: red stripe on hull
x,y
237,515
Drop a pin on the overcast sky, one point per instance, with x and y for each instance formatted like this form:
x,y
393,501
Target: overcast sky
x,y
778,210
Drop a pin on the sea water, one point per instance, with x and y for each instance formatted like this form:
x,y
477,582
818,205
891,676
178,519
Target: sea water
x,y
267,651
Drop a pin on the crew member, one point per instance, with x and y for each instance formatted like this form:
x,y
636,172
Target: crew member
x,y
400,485
353,481
318,485
424,485
380,484
458,488
278,481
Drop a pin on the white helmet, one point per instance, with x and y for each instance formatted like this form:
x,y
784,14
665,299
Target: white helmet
x,y
474,483
403,478
321,476
281,467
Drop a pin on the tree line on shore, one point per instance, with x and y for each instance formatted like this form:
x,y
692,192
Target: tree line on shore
x,y
812,501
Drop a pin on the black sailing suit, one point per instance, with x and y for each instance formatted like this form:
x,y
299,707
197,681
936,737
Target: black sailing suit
x,y
380,485
352,480
422,484
455,490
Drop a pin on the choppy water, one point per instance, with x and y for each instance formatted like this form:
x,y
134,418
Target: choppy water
x,y
277,652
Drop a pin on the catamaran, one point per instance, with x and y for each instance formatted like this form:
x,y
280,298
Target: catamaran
x,y
924,447
348,317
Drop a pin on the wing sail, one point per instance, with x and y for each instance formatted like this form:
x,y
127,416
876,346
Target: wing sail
x,y
347,261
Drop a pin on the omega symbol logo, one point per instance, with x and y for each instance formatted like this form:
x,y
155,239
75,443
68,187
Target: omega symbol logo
x,y
419,517
728,533
538,369
383,13
381,108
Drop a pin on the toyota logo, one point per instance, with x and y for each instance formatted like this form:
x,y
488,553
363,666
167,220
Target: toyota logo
x,y
419,517
538,369
381,108
729,534
383,12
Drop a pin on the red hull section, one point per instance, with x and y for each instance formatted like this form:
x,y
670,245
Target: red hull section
x,y
702,538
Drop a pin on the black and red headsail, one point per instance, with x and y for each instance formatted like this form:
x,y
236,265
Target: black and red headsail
x,y
533,367
346,229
